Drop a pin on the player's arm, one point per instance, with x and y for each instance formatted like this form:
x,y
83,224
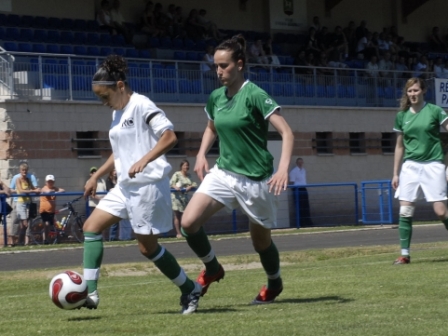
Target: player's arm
x,y
279,180
398,159
208,138
90,187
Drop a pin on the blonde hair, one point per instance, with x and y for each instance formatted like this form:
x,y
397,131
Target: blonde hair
x,y
405,103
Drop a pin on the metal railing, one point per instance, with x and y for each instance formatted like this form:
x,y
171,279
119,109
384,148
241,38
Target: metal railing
x,y
68,77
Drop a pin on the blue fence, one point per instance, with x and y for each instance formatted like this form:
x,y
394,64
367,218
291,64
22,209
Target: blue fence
x,y
377,207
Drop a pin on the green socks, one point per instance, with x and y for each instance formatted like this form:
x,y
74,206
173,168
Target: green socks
x,y
270,260
93,255
200,245
168,265
405,231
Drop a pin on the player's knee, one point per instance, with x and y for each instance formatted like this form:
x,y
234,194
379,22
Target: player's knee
x,y
407,210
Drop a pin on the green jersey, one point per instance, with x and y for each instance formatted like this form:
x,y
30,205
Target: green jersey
x,y
421,133
242,127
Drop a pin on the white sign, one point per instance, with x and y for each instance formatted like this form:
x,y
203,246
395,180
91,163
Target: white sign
x,y
288,14
441,88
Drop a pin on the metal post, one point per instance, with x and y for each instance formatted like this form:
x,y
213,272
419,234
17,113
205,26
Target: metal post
x,y
70,88
297,207
356,204
380,196
41,80
3,212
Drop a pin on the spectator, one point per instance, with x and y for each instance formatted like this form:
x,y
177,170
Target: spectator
x,y
257,54
302,62
350,36
386,66
14,222
297,177
210,27
147,21
178,22
193,28
118,21
402,49
383,45
439,67
272,59
372,67
181,181
366,48
24,186
335,61
445,70
393,48
174,30
421,69
47,207
323,63
100,187
339,42
160,19
208,63
401,66
316,24
4,190
435,41
312,44
324,40
104,19
361,31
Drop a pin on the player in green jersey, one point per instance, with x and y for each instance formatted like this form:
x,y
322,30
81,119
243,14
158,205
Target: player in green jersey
x,y
418,160
239,113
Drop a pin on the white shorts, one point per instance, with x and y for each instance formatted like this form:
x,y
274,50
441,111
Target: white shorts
x,y
147,207
429,176
235,190
22,210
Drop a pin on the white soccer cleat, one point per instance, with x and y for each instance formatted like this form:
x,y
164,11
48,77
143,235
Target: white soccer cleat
x,y
190,302
92,301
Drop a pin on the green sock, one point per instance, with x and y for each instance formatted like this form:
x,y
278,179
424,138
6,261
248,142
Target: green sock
x,y
168,265
200,245
93,255
405,232
445,222
270,260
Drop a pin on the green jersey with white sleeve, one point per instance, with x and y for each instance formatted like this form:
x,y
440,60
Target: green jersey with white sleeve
x,y
242,126
421,133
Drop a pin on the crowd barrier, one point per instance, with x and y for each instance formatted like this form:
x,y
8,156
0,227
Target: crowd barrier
x,y
68,77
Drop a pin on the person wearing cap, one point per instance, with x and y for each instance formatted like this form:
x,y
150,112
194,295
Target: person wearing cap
x,y
100,187
47,206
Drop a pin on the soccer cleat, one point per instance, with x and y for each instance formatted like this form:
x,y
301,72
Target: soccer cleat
x,y
402,260
190,302
267,295
206,280
92,301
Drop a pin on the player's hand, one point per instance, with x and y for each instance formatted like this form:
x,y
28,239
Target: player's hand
x,y
278,182
137,168
90,187
200,166
395,182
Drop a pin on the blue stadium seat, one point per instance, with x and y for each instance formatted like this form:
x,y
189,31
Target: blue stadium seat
x,y
105,51
330,91
93,51
13,20
78,67
82,83
159,85
10,46
118,40
200,45
300,90
144,53
289,60
105,39
278,90
191,56
25,47
66,49
34,64
189,44
320,89
380,92
170,71
81,25
93,38
40,22
53,36
50,81
180,56
263,74
171,86
39,48
26,35
91,67
79,38
27,21
178,43
144,70
266,87
184,86
145,85
79,50
309,90
131,53
119,51
288,90
66,37
2,33
350,91
3,19
54,23
196,86
92,25
52,49
67,24
62,83
12,33
133,70
40,35
158,70
165,42
154,42
389,92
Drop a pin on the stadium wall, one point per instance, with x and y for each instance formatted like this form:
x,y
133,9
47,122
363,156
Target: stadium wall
x,y
44,136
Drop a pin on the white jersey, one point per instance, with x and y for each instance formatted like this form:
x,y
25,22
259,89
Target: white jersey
x,y
132,137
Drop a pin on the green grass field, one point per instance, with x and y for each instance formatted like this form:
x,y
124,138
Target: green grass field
x,y
347,291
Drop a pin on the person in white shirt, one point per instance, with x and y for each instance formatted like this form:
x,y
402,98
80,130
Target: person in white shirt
x,y
140,135
439,67
297,177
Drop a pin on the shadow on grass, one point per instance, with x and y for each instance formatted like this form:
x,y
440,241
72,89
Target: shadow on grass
x,y
334,299
439,260
203,311
85,318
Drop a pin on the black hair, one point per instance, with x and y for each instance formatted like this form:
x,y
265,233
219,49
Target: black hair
x,y
237,45
113,69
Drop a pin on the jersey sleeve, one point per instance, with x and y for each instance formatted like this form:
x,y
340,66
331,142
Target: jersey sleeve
x,y
160,123
149,110
441,115
264,103
398,125
209,108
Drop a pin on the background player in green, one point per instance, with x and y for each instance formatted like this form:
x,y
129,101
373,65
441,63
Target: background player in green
x,y
239,114
418,159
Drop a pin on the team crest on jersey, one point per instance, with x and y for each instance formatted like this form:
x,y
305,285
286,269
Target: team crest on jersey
x,y
128,123
268,101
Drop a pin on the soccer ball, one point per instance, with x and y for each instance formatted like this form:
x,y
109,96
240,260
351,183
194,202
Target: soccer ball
x,y
68,290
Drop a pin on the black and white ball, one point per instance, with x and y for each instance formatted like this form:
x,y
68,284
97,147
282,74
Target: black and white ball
x,y
68,290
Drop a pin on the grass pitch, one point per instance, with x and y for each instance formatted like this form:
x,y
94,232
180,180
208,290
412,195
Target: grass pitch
x,y
346,291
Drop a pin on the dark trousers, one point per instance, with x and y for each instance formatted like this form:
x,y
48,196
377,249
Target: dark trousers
x,y
302,201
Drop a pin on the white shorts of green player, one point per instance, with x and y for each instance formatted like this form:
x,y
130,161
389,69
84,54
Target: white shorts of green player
x,y
429,177
235,190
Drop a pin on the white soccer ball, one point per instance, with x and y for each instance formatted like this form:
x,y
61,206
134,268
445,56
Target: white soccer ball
x,y
68,290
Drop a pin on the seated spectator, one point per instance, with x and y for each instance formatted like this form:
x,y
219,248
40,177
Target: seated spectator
x,y
361,31
372,67
210,27
192,26
335,61
324,40
119,23
439,67
311,43
402,49
383,44
366,48
435,42
208,62
310,60
172,28
401,66
445,70
323,62
422,68
103,17
271,58
386,66
257,54
302,62
339,42
316,24
147,21
350,36
160,19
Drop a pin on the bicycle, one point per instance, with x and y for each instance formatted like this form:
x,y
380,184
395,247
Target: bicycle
x,y
71,230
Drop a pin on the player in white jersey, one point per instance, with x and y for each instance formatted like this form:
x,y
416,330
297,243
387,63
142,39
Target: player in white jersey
x,y
140,135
